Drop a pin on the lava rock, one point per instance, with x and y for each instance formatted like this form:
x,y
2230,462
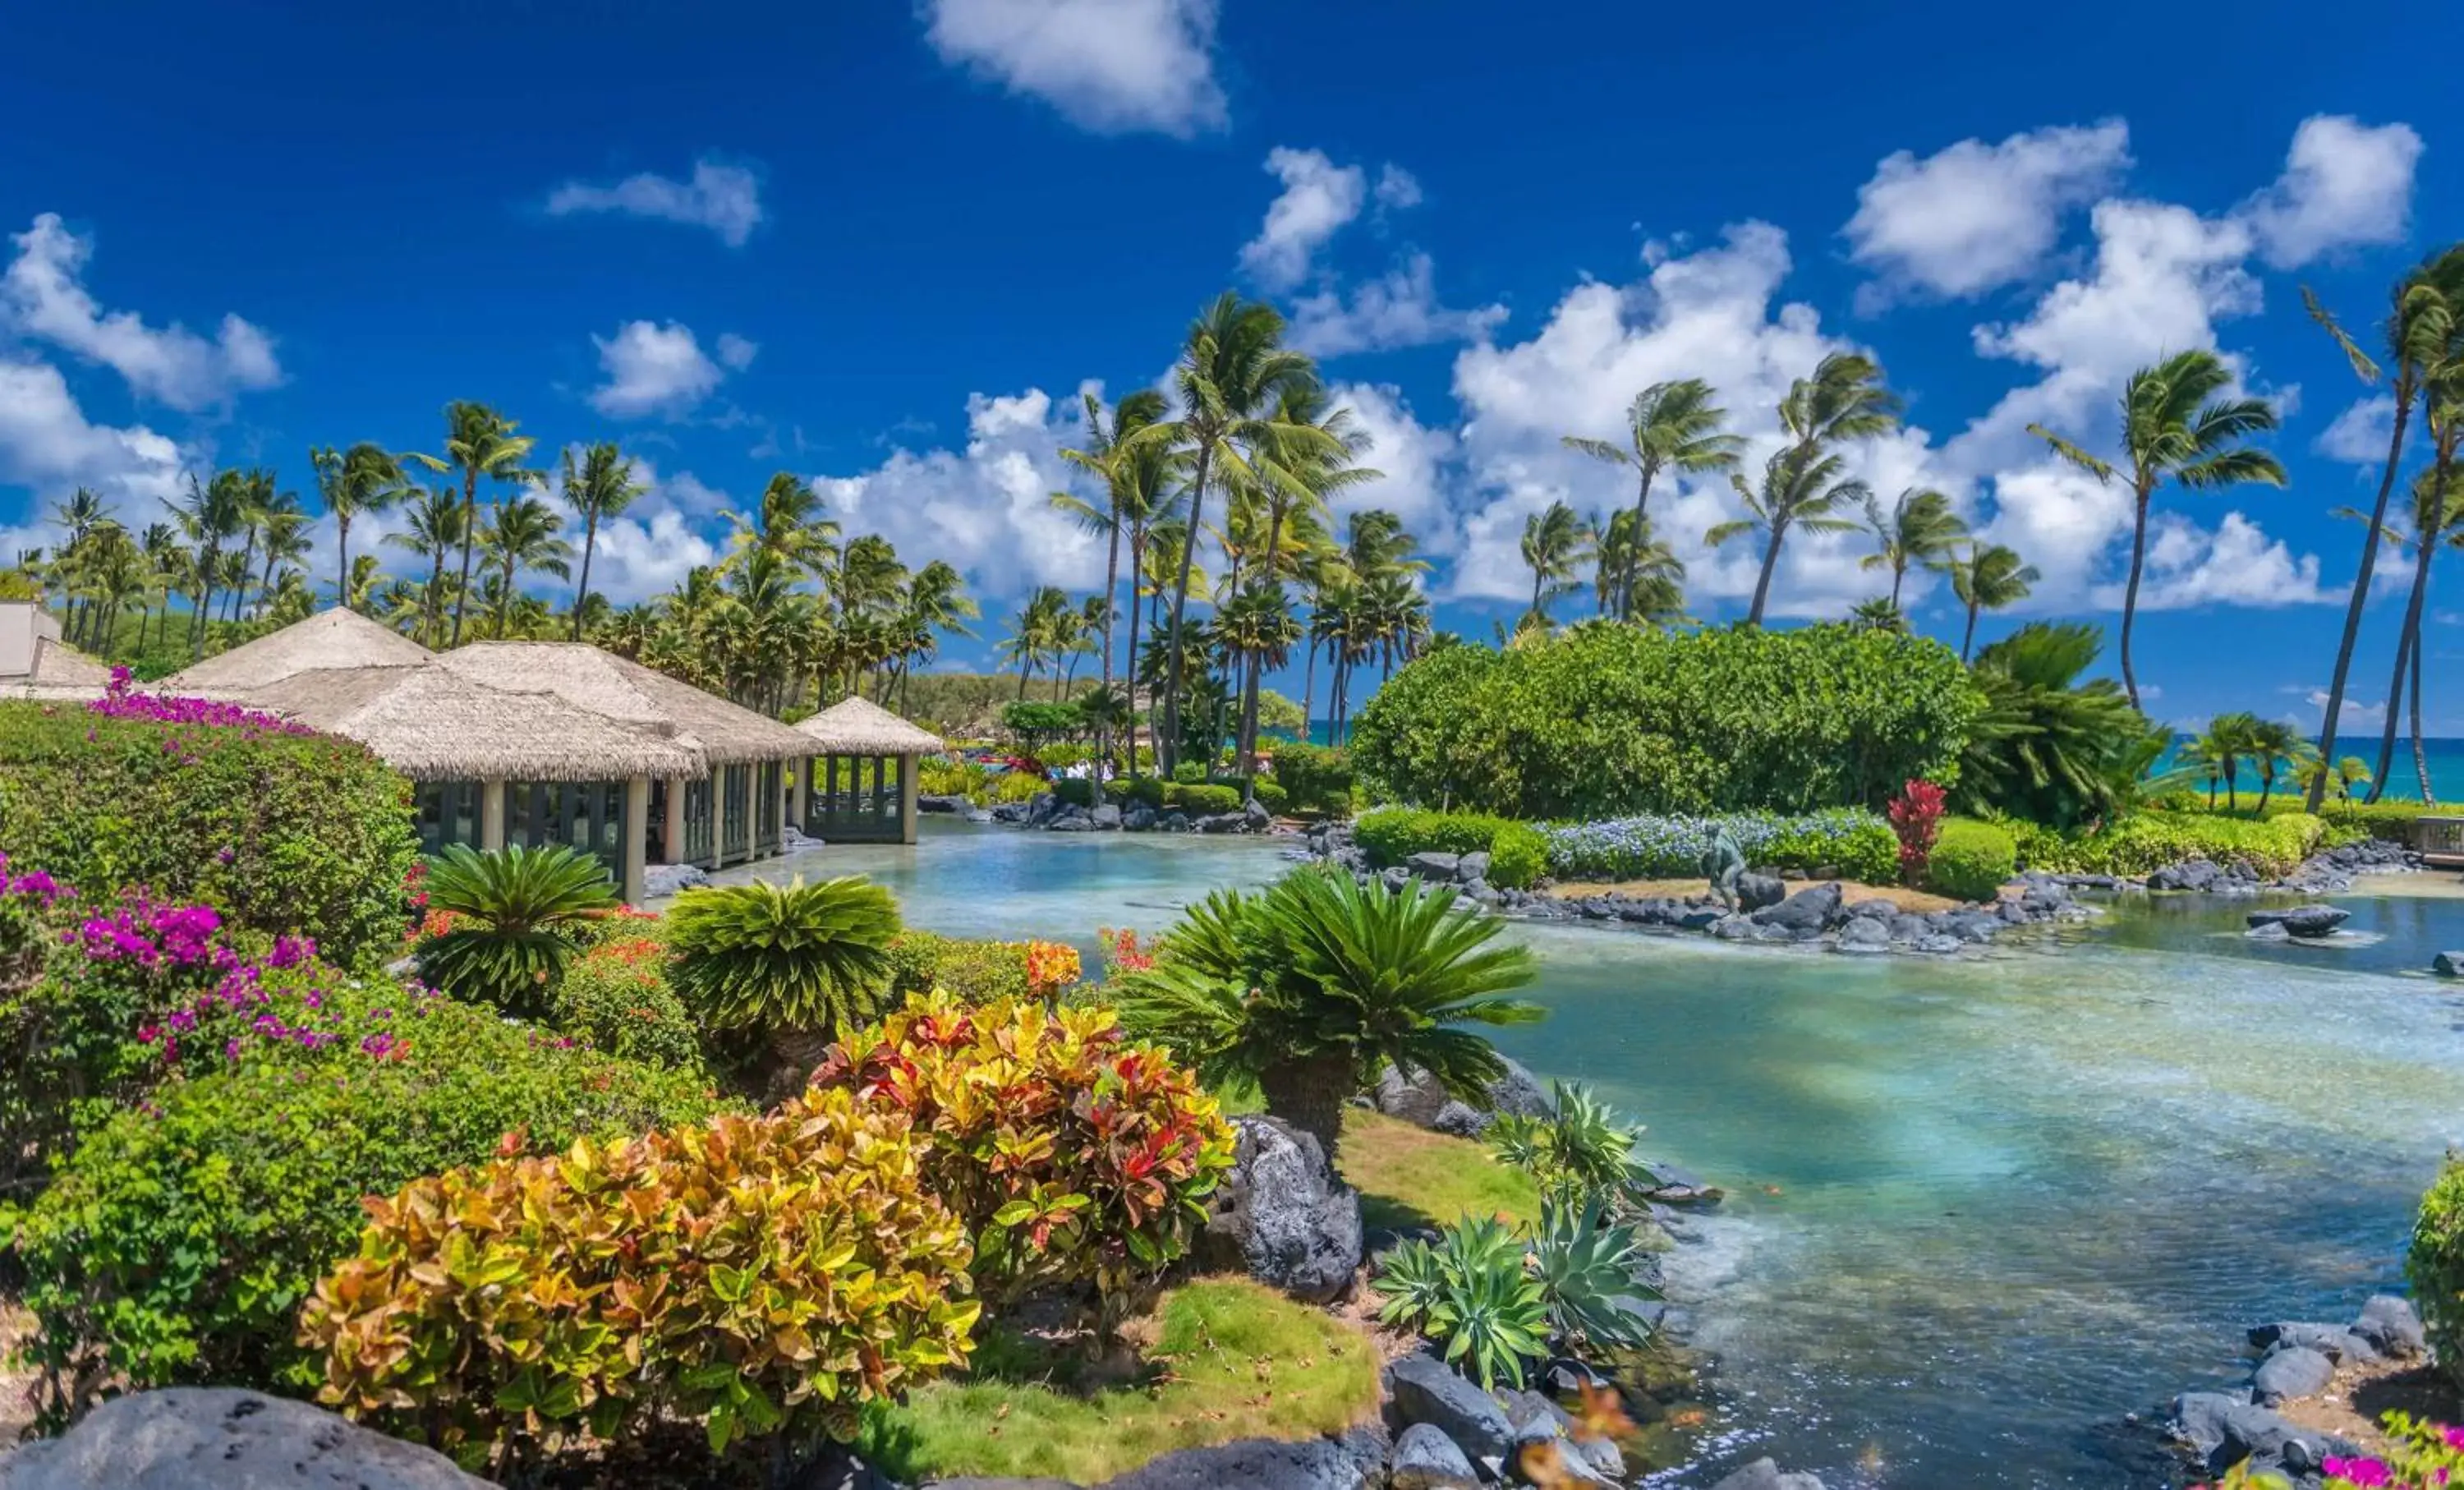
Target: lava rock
x,y
1538,1421
2391,1326
2302,920
1809,909
1420,1099
1138,820
1073,820
1424,1389
222,1438
2291,1371
1043,809
1174,821
1431,864
956,801
1280,1214
1733,928
1354,1462
1426,1458
1473,865
2224,1431
1755,891
1764,1475
1865,933
1223,822
2333,1341
2191,874
1106,816
1701,918
2448,964
1258,818
2268,931
661,880
1938,945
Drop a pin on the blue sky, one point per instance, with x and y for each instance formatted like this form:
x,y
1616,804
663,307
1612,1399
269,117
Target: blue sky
x,y
886,245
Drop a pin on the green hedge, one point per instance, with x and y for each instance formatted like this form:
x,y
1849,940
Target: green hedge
x,y
1317,777
1203,800
1145,791
978,971
1612,720
2149,841
1972,860
304,833
1075,791
1518,852
2435,1267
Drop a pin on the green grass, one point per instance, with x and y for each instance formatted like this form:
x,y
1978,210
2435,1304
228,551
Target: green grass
x,y
1409,1178
1230,1359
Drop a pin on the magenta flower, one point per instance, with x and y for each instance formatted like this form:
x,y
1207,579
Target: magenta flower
x,y
2357,1471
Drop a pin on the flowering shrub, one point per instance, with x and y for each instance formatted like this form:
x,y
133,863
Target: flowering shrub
x,y
178,1239
1052,968
2426,1457
278,829
26,904
1916,819
1518,852
1123,951
1858,843
616,997
120,702
763,1275
969,970
1072,1155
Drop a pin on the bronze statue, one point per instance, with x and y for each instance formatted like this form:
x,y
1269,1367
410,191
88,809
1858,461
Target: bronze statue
x,y
1724,863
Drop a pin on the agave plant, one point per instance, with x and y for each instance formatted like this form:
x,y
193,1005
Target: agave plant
x,y
1585,1266
1492,1316
797,965
515,911
1579,1148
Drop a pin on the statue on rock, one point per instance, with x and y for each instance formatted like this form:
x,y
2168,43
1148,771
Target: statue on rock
x,y
1724,864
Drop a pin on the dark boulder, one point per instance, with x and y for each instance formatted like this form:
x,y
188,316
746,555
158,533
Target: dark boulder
x,y
1071,821
1426,1458
1281,1214
2303,920
1733,928
1418,1098
2448,964
1865,933
2291,1371
222,1438
2391,1326
1354,1462
1471,866
1754,891
1699,918
1257,817
2335,1341
1422,1389
2224,1431
1809,909
1106,816
2199,875
952,803
1431,864
1138,820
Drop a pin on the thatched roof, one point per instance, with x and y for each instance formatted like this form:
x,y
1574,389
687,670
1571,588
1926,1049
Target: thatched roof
x,y
861,726
330,639
433,724
608,685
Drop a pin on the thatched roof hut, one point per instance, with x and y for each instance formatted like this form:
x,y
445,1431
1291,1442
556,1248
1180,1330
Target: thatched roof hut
x,y
859,727
627,692
432,724
331,639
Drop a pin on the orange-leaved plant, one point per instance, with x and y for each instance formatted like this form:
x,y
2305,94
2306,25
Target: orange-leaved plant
x,y
1072,1155
762,1276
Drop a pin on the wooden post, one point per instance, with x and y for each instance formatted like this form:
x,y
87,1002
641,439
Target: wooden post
x,y
718,817
907,774
491,815
674,845
803,794
637,832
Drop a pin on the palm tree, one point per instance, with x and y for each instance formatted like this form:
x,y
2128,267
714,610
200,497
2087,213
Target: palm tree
x,y
2230,740
2173,427
284,524
1668,425
1117,464
77,517
165,564
2422,334
1919,528
1555,544
522,536
1035,632
936,601
1232,369
2053,746
600,488
2274,744
1802,487
1637,577
478,441
363,479
1989,578
213,514
787,525
435,530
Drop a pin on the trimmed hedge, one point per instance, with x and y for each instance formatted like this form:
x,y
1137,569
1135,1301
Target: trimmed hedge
x,y
2149,841
1316,778
1972,860
300,833
1145,791
1849,840
1203,800
1518,852
1075,791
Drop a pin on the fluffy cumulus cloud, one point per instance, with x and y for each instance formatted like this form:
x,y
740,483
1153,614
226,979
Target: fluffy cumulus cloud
x,y
1397,309
43,297
2236,565
1332,317
2359,437
725,199
1112,66
1415,462
1975,216
1318,199
2345,183
986,507
660,368
47,445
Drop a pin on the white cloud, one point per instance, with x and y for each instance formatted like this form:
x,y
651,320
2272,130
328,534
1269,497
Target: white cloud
x,y
49,447
1413,460
654,368
725,199
2344,183
2354,715
1397,187
1975,216
2236,565
1113,66
986,508
1397,309
41,296
2359,434
1318,199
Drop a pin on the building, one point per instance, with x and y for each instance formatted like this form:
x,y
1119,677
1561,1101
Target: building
x,y
859,785
34,663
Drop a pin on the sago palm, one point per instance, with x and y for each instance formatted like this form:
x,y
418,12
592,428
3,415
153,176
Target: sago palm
x,y
1670,426
793,966
1314,985
1919,528
514,913
2174,428
1990,576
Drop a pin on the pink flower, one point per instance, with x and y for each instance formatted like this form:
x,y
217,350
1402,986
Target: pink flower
x,y
2359,1471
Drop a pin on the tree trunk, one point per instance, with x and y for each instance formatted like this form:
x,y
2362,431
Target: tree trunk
x,y
2420,755
1137,573
1968,643
342,553
2130,595
1899,577
1308,693
432,602
589,541
2410,640
1168,742
1634,561
1770,561
1312,1095
1111,608
470,531
2360,587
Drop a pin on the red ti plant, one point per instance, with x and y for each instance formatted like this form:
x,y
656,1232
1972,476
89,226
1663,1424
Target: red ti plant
x,y
1916,817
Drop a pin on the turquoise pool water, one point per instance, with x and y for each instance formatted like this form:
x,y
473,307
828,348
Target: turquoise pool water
x,y
1978,1210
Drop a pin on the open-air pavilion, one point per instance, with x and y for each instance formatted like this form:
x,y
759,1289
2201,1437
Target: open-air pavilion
x,y
858,784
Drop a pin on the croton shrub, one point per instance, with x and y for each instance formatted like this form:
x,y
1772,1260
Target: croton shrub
x,y
1072,1155
765,1277
980,972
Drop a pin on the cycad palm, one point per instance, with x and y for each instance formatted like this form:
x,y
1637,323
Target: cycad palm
x,y
2052,746
513,912
797,965
478,441
1990,576
2174,428
1919,528
1555,544
1670,426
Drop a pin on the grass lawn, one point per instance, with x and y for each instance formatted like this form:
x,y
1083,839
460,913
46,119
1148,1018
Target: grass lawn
x,y
1408,1176
1230,1359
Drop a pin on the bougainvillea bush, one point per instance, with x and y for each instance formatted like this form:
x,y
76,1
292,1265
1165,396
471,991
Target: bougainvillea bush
x,y
1849,840
282,831
765,1277
178,1239
1073,1156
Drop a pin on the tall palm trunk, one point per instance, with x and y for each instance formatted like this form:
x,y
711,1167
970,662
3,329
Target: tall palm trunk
x,y
1111,608
1968,643
205,597
2404,387
432,602
2420,752
2409,642
1642,498
265,589
1168,745
1308,693
1899,577
247,567
1771,562
582,592
342,553
1137,572
2130,595
470,531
